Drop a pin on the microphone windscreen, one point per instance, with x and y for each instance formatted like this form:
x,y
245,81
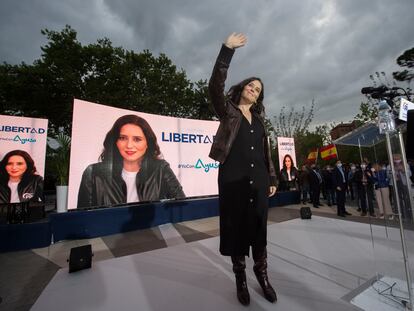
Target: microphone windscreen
x,y
367,90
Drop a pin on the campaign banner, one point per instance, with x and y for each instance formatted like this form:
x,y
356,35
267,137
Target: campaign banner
x,y
120,156
22,154
405,105
286,146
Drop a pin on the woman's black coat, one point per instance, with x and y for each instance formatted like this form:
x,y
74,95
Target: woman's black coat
x,y
237,218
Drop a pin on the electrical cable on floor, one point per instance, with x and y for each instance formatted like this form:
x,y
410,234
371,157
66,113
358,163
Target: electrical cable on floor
x,y
403,301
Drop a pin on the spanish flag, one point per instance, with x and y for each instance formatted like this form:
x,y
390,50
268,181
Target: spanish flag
x,y
329,152
313,154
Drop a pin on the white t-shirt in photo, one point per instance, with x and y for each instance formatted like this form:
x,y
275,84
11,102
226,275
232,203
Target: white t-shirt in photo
x,y
130,180
14,196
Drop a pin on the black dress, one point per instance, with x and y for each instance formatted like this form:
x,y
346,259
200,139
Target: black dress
x,y
243,192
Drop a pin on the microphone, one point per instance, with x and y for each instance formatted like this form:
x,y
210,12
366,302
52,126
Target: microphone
x,y
381,89
367,90
377,95
370,90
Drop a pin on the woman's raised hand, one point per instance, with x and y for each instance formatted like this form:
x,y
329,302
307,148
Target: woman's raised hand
x,y
235,40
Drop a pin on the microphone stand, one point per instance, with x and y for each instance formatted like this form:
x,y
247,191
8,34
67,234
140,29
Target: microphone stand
x,y
387,127
397,200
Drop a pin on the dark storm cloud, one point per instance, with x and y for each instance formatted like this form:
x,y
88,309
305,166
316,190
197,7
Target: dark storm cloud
x,y
21,23
302,49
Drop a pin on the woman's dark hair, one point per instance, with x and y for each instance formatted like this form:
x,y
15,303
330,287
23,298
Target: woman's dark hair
x,y
31,168
111,152
291,161
236,90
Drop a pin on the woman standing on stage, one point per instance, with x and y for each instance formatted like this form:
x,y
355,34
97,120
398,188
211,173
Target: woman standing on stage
x,y
246,173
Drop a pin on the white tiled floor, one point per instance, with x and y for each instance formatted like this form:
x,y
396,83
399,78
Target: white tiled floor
x,y
312,264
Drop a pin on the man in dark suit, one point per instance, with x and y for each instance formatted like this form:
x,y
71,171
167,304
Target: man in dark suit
x,y
340,183
315,182
328,185
365,183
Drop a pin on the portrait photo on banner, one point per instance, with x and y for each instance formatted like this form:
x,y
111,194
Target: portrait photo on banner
x,y
121,156
22,158
288,173
286,146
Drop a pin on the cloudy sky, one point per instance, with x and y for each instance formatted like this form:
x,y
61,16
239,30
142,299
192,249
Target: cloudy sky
x,y
302,49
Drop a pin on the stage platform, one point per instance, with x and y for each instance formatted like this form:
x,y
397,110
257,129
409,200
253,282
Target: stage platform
x,y
97,222
317,264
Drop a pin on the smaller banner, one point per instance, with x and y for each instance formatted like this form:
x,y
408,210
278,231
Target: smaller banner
x,y
329,152
286,146
404,107
22,154
313,155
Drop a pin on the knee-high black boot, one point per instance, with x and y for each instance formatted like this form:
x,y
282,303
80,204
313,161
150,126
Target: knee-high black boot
x,y
239,269
260,270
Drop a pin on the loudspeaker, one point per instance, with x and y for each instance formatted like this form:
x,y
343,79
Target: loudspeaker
x,y
305,212
409,148
80,258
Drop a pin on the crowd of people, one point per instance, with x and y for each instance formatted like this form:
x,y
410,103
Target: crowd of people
x,y
364,185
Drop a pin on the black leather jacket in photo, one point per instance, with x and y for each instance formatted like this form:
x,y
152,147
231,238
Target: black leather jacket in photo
x,y
102,185
284,183
229,114
29,189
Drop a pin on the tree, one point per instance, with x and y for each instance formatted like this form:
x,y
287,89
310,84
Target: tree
x,y
368,111
202,108
100,73
59,159
324,131
304,143
405,60
294,122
